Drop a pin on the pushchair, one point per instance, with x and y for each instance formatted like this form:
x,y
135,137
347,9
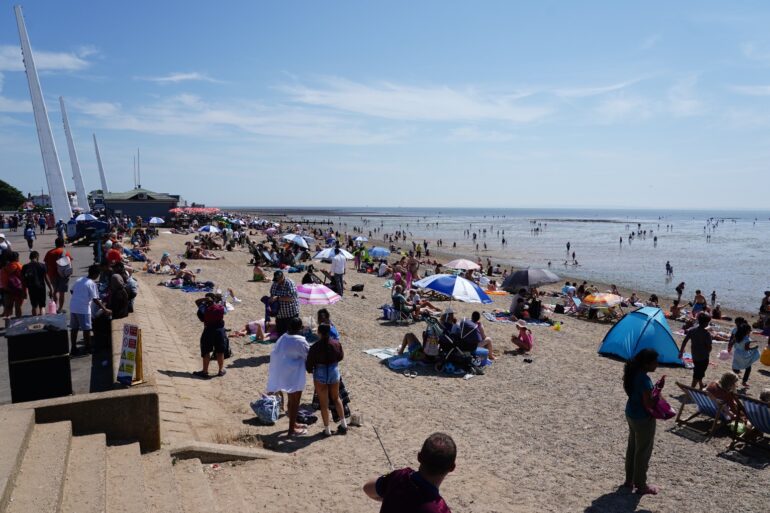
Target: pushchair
x,y
451,350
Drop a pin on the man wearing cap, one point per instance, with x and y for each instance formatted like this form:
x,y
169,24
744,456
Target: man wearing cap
x,y
284,292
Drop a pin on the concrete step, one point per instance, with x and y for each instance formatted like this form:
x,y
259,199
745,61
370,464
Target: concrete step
x,y
161,492
16,427
85,486
40,481
125,479
194,489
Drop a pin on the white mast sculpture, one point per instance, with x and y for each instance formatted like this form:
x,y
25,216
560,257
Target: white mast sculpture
x,y
101,169
53,175
76,176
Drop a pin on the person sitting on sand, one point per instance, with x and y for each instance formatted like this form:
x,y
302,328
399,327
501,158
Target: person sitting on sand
x,y
676,310
402,305
165,260
184,274
523,340
634,299
384,269
492,287
653,301
717,312
614,290
398,281
423,304
258,273
405,490
486,342
725,391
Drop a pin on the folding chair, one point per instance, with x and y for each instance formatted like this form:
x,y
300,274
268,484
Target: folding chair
x,y
707,406
758,413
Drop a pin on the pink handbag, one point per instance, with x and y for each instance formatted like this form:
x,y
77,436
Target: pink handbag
x,y
662,410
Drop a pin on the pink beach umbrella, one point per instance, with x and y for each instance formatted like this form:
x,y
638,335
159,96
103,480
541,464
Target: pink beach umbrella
x,y
271,231
463,264
316,294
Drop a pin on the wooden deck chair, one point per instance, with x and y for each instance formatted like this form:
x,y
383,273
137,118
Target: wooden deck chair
x,y
707,406
572,306
758,414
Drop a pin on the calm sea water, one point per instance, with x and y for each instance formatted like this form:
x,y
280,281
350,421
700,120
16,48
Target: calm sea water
x,y
733,261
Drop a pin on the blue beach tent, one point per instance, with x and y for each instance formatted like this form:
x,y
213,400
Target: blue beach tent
x,y
645,328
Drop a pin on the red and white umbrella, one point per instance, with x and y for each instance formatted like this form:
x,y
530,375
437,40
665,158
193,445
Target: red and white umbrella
x,y
463,264
316,294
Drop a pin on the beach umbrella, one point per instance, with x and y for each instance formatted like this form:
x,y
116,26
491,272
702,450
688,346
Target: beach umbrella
x,y
271,231
455,287
602,300
328,253
379,252
361,238
86,217
463,264
156,220
295,239
528,278
308,239
316,294
209,229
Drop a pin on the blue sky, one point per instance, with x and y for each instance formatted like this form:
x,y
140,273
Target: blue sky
x,y
431,103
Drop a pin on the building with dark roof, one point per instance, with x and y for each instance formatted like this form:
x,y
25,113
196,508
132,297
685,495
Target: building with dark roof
x,y
140,202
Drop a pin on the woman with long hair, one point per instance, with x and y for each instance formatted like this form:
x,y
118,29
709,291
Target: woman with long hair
x,y
323,363
641,435
744,353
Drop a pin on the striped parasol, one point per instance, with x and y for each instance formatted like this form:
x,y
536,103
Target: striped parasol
x,y
601,300
463,264
316,294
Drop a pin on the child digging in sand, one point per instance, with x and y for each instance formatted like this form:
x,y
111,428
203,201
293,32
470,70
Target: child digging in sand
x,y
522,340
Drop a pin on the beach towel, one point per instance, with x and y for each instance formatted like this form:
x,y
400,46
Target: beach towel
x,y
382,353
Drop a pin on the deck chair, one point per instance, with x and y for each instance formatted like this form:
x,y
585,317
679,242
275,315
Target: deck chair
x,y
572,306
401,312
758,413
706,406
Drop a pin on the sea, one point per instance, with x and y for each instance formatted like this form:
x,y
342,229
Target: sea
x,y
722,251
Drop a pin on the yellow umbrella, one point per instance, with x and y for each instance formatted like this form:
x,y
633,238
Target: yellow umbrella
x,y
602,300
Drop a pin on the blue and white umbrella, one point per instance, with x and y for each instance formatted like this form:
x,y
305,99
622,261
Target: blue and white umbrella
x,y
156,220
455,287
209,228
86,217
361,238
328,254
378,252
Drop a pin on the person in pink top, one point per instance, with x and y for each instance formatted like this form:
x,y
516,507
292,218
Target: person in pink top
x,y
524,338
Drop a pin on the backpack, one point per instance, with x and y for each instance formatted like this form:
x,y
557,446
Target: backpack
x,y
64,267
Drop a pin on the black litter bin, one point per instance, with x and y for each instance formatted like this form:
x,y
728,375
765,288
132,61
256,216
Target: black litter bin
x,y
38,358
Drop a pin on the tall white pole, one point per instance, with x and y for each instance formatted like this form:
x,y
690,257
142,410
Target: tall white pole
x,y
138,169
80,189
101,169
57,190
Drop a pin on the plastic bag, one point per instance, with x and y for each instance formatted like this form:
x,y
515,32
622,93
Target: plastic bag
x,y
267,408
50,307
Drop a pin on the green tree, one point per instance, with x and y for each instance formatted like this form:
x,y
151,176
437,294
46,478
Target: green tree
x,y
11,198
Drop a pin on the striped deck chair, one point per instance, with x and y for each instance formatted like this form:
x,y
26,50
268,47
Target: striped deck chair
x,y
706,406
758,413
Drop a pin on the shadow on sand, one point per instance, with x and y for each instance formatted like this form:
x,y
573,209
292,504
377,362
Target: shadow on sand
x,y
619,501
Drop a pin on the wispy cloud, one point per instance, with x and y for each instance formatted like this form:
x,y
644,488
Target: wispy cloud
x,y
476,134
752,90
414,103
623,107
582,92
175,78
191,115
682,98
11,60
651,41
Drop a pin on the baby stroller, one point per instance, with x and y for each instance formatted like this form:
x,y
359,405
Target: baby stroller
x,y
450,350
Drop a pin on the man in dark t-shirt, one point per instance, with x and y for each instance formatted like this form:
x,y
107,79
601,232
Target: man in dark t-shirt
x,y
701,348
36,280
408,491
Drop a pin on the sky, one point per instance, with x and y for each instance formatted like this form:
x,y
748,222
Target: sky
x,y
404,104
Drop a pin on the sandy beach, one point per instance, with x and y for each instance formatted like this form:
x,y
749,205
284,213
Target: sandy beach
x,y
543,436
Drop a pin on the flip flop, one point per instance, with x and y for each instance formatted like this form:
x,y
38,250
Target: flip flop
x,y
298,433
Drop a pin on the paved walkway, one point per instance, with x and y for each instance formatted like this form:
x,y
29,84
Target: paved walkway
x,y
188,406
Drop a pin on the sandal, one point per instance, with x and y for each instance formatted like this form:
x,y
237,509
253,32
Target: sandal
x,y
221,373
298,432
647,490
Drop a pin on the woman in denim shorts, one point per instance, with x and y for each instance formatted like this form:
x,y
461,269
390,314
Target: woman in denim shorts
x,y
323,362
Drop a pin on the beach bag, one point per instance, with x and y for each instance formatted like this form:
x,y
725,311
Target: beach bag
x,y
64,267
765,357
357,288
662,410
267,409
559,309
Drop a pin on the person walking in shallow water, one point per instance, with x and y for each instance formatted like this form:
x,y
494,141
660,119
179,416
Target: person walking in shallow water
x,y
641,425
